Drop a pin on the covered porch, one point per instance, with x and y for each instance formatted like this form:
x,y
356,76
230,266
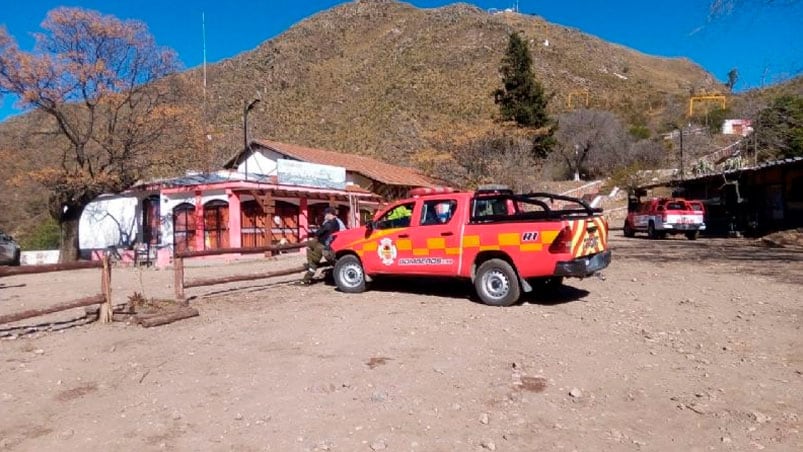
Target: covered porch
x,y
202,213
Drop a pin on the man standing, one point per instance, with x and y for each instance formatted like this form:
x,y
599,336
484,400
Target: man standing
x,y
318,246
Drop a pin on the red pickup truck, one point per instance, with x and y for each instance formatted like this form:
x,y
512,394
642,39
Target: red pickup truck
x,y
661,216
505,243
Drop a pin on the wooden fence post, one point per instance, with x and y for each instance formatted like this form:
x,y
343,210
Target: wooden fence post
x,y
178,281
105,315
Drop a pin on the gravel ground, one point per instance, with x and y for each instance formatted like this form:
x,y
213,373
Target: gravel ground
x,y
680,346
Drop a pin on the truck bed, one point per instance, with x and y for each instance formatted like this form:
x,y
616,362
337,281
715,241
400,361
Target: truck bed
x,y
540,205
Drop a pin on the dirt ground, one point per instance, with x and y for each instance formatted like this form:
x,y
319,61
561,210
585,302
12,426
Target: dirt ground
x,y
681,346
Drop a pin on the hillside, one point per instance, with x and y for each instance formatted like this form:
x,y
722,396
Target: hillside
x,y
747,104
387,79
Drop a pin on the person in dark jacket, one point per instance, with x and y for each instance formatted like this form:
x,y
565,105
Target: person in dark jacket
x,y
318,245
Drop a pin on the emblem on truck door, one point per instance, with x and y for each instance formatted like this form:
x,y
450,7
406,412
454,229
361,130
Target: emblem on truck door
x,y
386,251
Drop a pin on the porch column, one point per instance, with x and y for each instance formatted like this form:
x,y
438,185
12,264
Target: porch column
x,y
355,213
303,220
235,219
199,222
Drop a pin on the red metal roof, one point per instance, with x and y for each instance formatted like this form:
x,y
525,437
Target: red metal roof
x,y
367,166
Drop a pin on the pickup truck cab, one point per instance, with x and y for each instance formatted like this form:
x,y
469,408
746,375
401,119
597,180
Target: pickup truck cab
x,y
661,216
505,243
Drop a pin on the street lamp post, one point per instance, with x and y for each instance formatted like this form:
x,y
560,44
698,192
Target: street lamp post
x,y
246,146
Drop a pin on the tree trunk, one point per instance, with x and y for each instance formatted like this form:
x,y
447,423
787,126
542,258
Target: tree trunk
x,y
69,251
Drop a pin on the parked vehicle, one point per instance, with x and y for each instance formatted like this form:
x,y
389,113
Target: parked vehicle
x,y
9,250
661,216
505,243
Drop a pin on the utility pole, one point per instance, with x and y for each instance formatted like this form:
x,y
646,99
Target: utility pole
x,y
246,146
681,153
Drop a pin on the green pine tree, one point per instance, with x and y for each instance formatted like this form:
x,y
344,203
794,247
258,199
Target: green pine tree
x,y
522,98
779,129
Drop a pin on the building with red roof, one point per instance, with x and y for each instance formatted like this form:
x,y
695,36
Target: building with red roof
x,y
270,193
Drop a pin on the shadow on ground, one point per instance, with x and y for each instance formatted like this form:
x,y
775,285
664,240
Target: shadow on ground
x,y
743,256
552,297
464,290
27,329
253,286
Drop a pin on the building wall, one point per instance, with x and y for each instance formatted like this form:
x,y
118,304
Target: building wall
x,y
117,221
260,162
110,221
771,199
169,202
741,127
359,180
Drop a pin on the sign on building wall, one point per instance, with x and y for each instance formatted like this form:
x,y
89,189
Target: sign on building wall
x,y
293,172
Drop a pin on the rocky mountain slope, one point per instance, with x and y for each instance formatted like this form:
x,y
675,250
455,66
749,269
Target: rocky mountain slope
x,y
389,79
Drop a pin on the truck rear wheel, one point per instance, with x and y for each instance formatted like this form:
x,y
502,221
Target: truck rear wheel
x,y
349,274
692,235
497,283
651,232
627,230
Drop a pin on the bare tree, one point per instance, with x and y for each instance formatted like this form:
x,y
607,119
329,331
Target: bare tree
x,y
589,141
97,77
494,157
645,153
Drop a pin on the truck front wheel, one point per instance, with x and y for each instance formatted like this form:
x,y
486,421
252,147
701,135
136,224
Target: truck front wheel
x,y
349,274
497,283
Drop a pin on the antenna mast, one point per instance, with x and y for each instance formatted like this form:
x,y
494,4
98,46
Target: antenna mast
x,y
203,34
205,118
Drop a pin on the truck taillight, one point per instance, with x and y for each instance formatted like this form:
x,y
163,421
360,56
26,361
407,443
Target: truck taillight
x,y
663,218
563,242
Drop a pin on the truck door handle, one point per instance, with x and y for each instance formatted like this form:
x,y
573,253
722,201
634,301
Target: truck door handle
x,y
447,234
404,236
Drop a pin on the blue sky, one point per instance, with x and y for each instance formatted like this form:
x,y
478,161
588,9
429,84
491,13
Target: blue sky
x,y
764,43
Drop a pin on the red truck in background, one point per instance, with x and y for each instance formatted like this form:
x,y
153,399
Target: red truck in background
x,y
661,216
505,243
